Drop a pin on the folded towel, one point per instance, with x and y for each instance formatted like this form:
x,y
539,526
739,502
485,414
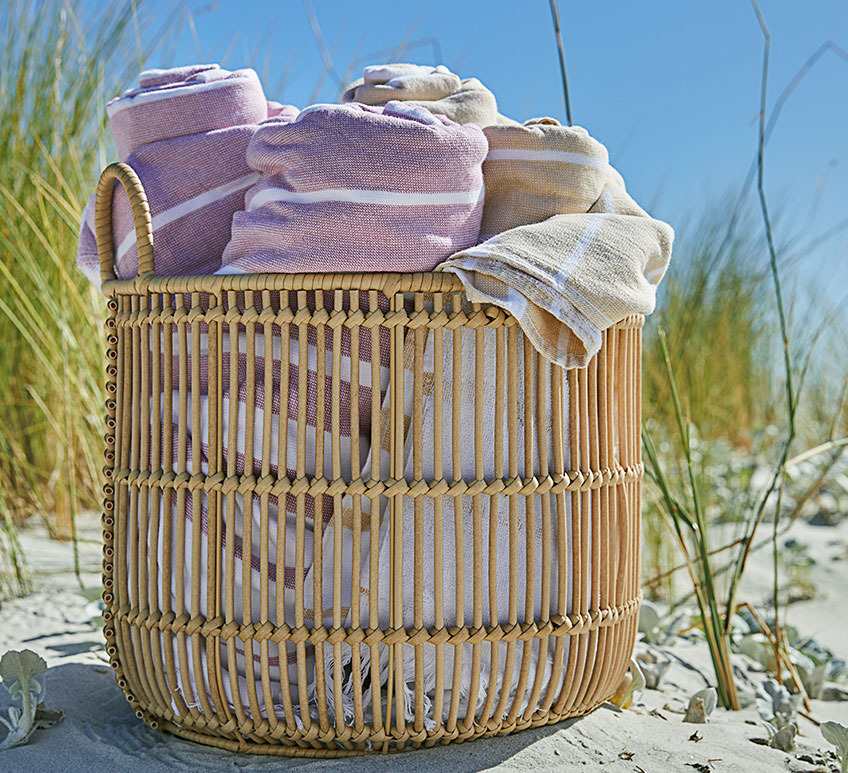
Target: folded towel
x,y
436,88
357,188
569,253
185,132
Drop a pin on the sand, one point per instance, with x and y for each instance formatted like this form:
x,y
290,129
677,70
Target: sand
x,y
101,733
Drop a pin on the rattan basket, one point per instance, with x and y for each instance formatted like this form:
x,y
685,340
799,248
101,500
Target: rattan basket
x,y
567,635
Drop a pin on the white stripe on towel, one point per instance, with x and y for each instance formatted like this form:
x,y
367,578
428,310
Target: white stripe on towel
x,y
563,156
390,198
586,239
187,207
157,93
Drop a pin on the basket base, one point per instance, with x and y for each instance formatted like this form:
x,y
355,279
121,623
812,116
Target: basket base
x,y
391,746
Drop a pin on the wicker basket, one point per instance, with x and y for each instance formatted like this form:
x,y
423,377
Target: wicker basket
x,y
568,656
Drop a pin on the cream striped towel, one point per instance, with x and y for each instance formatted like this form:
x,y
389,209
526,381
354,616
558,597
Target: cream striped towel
x,y
436,88
185,132
569,253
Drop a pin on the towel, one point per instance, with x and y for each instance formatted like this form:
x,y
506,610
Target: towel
x,y
357,188
542,521
436,88
567,251
185,132
246,405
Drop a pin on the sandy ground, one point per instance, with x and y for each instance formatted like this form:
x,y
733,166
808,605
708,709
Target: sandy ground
x,y
101,733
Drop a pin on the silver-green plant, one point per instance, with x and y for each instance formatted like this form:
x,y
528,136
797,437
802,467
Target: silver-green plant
x,y
22,673
837,734
701,705
778,710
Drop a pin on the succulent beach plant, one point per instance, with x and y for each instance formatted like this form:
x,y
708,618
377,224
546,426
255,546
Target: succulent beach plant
x,y
22,672
654,664
701,705
837,734
778,709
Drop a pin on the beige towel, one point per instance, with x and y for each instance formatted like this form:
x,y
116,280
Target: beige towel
x,y
436,88
570,253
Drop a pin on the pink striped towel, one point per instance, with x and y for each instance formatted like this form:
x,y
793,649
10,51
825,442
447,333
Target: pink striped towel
x,y
357,188
185,132
260,427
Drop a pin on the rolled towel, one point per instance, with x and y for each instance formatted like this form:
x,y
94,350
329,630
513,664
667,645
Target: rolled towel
x,y
537,170
185,132
567,251
384,83
436,88
358,188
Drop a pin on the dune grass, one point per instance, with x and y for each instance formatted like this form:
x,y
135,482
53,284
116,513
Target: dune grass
x,y
733,338
59,67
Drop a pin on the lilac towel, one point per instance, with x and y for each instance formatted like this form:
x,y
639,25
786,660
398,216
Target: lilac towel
x,y
357,188
185,132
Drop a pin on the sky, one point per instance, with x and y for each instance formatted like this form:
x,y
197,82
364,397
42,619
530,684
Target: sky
x,y
671,87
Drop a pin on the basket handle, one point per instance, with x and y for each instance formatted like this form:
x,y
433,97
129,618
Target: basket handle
x,y
125,175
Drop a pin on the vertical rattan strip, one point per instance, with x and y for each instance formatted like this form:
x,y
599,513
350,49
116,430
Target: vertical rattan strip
x,y
248,499
396,471
608,589
494,503
356,333
302,365
169,503
558,441
143,497
266,481
438,511
181,511
198,505
594,673
512,436
232,480
213,500
137,522
565,700
122,447
529,530
477,520
336,321
543,390
318,512
417,426
376,476
584,543
285,332
155,500
459,546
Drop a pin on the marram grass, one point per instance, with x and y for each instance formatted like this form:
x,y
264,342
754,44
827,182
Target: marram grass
x,y
59,68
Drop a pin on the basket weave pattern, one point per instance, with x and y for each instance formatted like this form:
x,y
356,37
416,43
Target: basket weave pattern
x,y
603,443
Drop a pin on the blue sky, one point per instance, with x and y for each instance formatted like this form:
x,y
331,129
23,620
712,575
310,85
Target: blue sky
x,y
671,87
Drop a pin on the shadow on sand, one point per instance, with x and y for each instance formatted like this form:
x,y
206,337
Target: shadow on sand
x,y
100,733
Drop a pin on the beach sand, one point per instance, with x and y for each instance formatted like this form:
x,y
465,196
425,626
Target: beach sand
x,y
101,733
